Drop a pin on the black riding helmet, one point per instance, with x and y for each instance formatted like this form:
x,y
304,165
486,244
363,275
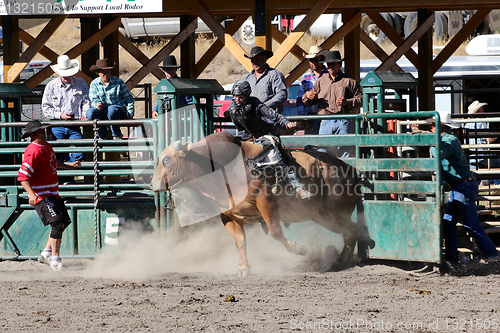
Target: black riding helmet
x,y
241,88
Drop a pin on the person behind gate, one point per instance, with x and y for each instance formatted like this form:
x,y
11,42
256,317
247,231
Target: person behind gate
x,y
66,98
335,93
267,84
463,194
110,99
316,57
169,68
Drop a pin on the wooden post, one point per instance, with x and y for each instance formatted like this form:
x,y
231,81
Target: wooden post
x,y
188,68
352,46
10,43
262,20
110,46
89,26
425,72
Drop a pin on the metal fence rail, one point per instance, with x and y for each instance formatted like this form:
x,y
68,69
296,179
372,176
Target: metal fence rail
x,y
122,189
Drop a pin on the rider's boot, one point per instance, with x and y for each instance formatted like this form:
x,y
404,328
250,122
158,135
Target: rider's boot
x,y
299,187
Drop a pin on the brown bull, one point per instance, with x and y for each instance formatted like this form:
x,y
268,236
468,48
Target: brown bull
x,y
331,181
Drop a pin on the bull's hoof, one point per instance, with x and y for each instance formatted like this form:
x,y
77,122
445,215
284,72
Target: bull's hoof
x,y
346,254
242,272
298,249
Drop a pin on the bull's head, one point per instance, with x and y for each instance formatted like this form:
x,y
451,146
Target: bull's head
x,y
168,166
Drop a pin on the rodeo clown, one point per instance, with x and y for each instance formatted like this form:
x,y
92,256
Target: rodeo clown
x,y
38,176
254,120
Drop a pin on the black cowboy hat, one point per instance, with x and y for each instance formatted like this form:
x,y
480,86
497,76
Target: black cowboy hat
x,y
101,64
169,62
334,56
32,127
256,50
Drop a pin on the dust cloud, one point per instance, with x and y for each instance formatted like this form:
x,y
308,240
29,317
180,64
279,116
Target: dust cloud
x,y
210,248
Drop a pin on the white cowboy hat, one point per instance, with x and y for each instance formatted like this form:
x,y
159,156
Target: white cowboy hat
x,y
474,106
316,51
65,66
445,118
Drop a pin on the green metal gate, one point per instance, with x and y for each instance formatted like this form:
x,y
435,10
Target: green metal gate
x,y
401,215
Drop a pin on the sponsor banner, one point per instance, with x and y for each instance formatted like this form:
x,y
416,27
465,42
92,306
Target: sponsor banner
x,y
52,7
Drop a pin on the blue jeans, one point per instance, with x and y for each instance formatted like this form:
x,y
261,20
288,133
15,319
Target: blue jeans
x,y
337,126
112,112
313,127
72,133
463,203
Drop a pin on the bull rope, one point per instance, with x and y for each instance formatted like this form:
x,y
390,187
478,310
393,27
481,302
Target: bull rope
x,y
425,271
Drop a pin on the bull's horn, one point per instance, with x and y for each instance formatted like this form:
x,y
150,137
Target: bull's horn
x,y
176,145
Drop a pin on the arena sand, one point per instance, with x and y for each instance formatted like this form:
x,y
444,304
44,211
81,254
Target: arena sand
x,y
146,286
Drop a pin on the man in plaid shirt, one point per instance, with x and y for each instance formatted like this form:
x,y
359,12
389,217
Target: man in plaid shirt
x,y
110,99
316,57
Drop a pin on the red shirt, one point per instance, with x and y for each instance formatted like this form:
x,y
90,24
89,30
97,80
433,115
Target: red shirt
x,y
40,169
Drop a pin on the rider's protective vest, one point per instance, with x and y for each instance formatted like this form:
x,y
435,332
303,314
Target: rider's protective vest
x,y
246,118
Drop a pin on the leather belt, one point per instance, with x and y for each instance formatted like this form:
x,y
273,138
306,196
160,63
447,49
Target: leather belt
x,y
463,180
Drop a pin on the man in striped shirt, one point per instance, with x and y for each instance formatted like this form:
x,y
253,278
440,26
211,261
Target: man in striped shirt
x,y
38,176
110,99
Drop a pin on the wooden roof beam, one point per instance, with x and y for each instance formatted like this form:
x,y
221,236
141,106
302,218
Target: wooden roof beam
x,y
459,38
298,32
218,45
44,50
279,36
327,44
34,47
76,51
221,33
392,35
48,53
403,48
167,49
138,55
377,50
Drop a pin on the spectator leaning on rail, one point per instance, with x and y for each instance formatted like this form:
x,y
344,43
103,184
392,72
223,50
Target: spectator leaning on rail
x,y
316,57
38,176
169,68
268,84
110,99
463,194
255,120
66,98
335,93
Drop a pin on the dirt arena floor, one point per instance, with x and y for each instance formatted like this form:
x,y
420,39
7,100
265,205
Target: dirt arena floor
x,y
193,287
